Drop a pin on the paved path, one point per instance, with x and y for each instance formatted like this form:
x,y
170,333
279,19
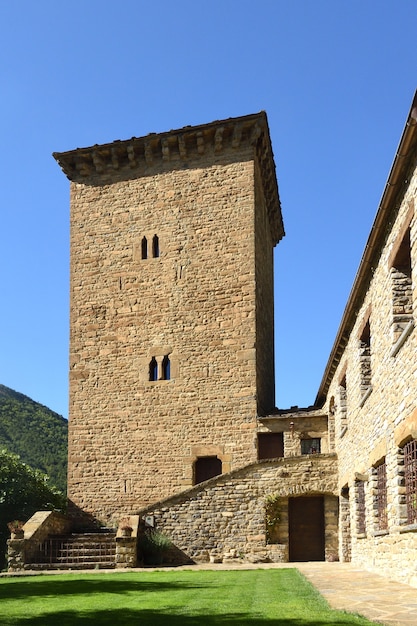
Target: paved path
x,y
344,586
353,589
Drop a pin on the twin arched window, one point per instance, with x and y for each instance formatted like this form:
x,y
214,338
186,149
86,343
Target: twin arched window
x,y
155,247
165,369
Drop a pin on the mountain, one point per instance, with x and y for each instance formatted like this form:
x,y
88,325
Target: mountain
x,y
35,433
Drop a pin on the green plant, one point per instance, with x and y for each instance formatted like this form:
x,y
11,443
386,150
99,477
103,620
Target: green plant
x,y
153,546
272,517
15,525
34,432
23,491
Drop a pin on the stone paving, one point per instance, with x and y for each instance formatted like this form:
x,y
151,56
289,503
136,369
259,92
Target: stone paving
x,y
353,589
344,586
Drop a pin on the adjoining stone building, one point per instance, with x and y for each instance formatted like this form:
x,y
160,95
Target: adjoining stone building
x,y
172,409
369,389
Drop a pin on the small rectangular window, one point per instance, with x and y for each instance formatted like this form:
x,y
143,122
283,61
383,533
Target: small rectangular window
x,y
360,508
342,406
365,359
402,288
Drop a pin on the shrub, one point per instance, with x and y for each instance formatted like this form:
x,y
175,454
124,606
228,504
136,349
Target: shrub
x,y
152,547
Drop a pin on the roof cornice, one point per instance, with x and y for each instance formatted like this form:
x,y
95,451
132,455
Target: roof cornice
x,y
139,156
389,205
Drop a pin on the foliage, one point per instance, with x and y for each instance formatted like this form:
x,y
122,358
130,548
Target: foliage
x,y
35,433
272,517
15,525
152,546
174,598
23,491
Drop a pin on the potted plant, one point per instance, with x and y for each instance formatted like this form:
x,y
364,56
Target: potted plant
x,y
16,529
125,527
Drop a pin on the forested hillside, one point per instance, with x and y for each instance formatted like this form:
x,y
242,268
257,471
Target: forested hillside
x,y
35,433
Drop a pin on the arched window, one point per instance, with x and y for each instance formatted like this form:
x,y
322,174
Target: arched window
x,y
206,467
166,368
144,248
153,369
155,247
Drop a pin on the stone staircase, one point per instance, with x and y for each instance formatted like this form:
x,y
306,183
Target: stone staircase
x,y
76,551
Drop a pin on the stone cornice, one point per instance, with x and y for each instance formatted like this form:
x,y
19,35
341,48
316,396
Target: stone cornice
x,y
139,156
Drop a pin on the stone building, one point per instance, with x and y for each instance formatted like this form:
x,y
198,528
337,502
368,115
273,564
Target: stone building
x,y
172,409
172,340
369,389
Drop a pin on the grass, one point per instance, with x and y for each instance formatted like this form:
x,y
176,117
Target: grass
x,y
171,598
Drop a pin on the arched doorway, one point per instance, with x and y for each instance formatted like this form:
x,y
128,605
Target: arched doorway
x,y
306,528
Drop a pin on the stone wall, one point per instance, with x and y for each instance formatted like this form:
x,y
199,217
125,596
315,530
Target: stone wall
x,y
369,413
36,530
264,297
224,517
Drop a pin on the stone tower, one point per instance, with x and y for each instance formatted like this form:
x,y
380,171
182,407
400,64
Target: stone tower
x,y
172,326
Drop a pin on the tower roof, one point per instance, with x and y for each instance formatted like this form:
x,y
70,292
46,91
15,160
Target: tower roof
x,y
135,157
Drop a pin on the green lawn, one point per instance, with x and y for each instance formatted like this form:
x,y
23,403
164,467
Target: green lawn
x,y
175,598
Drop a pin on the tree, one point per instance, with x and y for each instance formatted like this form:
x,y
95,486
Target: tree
x,y
23,491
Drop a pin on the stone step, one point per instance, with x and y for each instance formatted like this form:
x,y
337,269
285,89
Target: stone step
x,y
71,566
77,551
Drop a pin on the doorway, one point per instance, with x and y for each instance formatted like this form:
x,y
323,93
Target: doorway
x,y
306,528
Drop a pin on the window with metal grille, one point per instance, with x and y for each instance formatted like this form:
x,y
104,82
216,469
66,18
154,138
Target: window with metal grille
x,y
360,508
410,477
311,445
381,496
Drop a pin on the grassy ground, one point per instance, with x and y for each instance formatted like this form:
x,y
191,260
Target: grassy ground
x,y
175,598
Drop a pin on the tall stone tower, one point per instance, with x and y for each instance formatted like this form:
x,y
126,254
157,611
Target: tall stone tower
x,y
172,326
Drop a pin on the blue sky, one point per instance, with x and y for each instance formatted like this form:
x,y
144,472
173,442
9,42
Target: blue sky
x,y
335,77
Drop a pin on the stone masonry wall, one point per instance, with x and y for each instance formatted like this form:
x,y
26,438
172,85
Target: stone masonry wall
x,y
264,283
365,430
225,516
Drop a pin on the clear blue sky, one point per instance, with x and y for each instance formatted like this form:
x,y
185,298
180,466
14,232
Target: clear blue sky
x,y
335,77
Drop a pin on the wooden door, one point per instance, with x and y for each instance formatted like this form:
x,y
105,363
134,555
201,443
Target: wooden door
x,y
270,445
306,528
